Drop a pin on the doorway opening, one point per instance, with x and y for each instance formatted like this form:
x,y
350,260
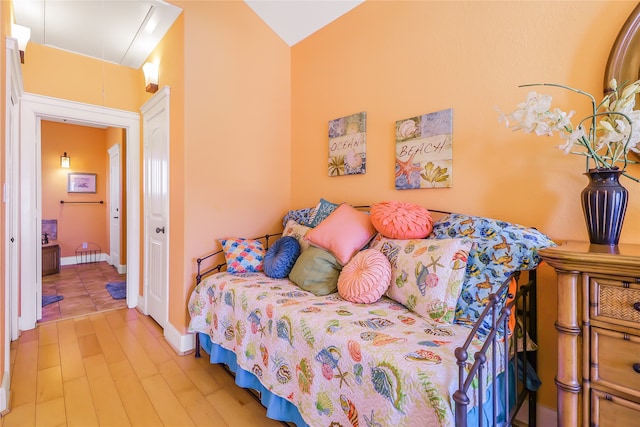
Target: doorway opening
x,y
82,211
35,109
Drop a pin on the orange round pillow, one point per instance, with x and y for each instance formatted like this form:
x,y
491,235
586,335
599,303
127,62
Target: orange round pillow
x,y
365,278
401,220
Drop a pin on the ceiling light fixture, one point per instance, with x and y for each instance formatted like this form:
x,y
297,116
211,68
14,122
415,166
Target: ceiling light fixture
x,y
22,34
150,77
65,161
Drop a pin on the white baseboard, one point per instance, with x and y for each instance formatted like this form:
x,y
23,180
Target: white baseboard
x,y
181,343
546,417
4,393
72,260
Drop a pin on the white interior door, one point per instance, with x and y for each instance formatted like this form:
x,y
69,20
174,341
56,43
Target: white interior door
x,y
114,207
156,204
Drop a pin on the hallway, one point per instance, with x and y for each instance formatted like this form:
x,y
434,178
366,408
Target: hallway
x,y
83,289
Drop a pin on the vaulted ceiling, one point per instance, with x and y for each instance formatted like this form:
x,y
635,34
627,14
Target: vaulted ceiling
x,y
126,32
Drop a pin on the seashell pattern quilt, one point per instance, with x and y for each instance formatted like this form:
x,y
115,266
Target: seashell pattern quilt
x,y
339,363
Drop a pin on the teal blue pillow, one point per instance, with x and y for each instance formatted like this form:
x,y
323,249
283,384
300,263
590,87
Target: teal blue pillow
x,y
281,257
321,211
316,271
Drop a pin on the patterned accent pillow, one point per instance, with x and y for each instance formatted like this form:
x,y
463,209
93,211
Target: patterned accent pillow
x,y
281,257
401,220
499,249
301,216
298,231
243,255
320,212
426,275
365,278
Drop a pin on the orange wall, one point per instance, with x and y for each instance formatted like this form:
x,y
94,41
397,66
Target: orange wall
x,y
236,133
77,223
61,74
400,59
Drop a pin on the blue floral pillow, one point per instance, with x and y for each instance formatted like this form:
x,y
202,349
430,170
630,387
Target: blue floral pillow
x,y
301,216
499,249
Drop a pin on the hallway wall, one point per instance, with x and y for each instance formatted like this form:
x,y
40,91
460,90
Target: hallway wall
x,y
77,223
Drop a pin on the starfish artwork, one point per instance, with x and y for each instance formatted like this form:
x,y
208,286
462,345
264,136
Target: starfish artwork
x,y
407,168
424,151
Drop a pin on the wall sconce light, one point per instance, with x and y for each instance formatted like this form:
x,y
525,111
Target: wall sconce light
x,y
22,34
150,77
65,161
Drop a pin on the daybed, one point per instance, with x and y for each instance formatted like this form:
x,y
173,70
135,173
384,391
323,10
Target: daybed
x,y
318,358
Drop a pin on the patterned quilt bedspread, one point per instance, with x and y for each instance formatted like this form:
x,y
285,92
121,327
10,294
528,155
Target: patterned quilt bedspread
x,y
341,364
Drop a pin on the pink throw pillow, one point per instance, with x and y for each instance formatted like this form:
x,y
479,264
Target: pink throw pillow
x,y
343,233
401,220
365,278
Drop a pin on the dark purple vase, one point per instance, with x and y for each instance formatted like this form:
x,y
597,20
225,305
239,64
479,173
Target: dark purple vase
x,y
604,202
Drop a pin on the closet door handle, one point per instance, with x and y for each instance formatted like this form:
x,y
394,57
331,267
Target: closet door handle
x,y
160,230
636,367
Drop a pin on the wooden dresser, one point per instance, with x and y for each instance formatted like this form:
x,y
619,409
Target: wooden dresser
x,y
598,326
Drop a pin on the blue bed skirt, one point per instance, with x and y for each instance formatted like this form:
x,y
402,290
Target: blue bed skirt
x,y
281,409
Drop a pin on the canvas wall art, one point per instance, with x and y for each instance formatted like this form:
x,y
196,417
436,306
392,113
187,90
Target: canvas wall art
x,y
347,145
424,151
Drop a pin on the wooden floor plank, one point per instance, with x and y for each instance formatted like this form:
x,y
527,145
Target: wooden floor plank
x,y
199,409
236,414
47,334
136,402
155,351
108,342
48,356
82,325
67,331
136,353
89,345
109,406
26,370
167,405
71,360
49,386
20,416
51,413
80,410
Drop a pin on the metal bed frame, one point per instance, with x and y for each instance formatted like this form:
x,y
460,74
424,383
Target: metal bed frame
x,y
524,302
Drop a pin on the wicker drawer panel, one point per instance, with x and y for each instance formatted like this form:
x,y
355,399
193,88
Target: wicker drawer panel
x,y
613,301
615,360
613,411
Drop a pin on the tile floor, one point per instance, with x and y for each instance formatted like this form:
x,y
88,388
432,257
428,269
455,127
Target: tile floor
x,y
83,288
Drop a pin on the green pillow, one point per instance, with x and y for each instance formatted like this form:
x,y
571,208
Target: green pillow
x,y
316,271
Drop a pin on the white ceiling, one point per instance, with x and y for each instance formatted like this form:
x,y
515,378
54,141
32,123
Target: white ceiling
x,y
126,32
295,20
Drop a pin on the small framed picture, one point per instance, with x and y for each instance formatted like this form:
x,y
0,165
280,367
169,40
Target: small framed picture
x,y
81,183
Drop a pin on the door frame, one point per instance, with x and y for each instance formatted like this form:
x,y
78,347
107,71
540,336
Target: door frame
x,y
33,109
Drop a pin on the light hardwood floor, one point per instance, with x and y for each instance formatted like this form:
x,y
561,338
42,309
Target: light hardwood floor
x,y
115,369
